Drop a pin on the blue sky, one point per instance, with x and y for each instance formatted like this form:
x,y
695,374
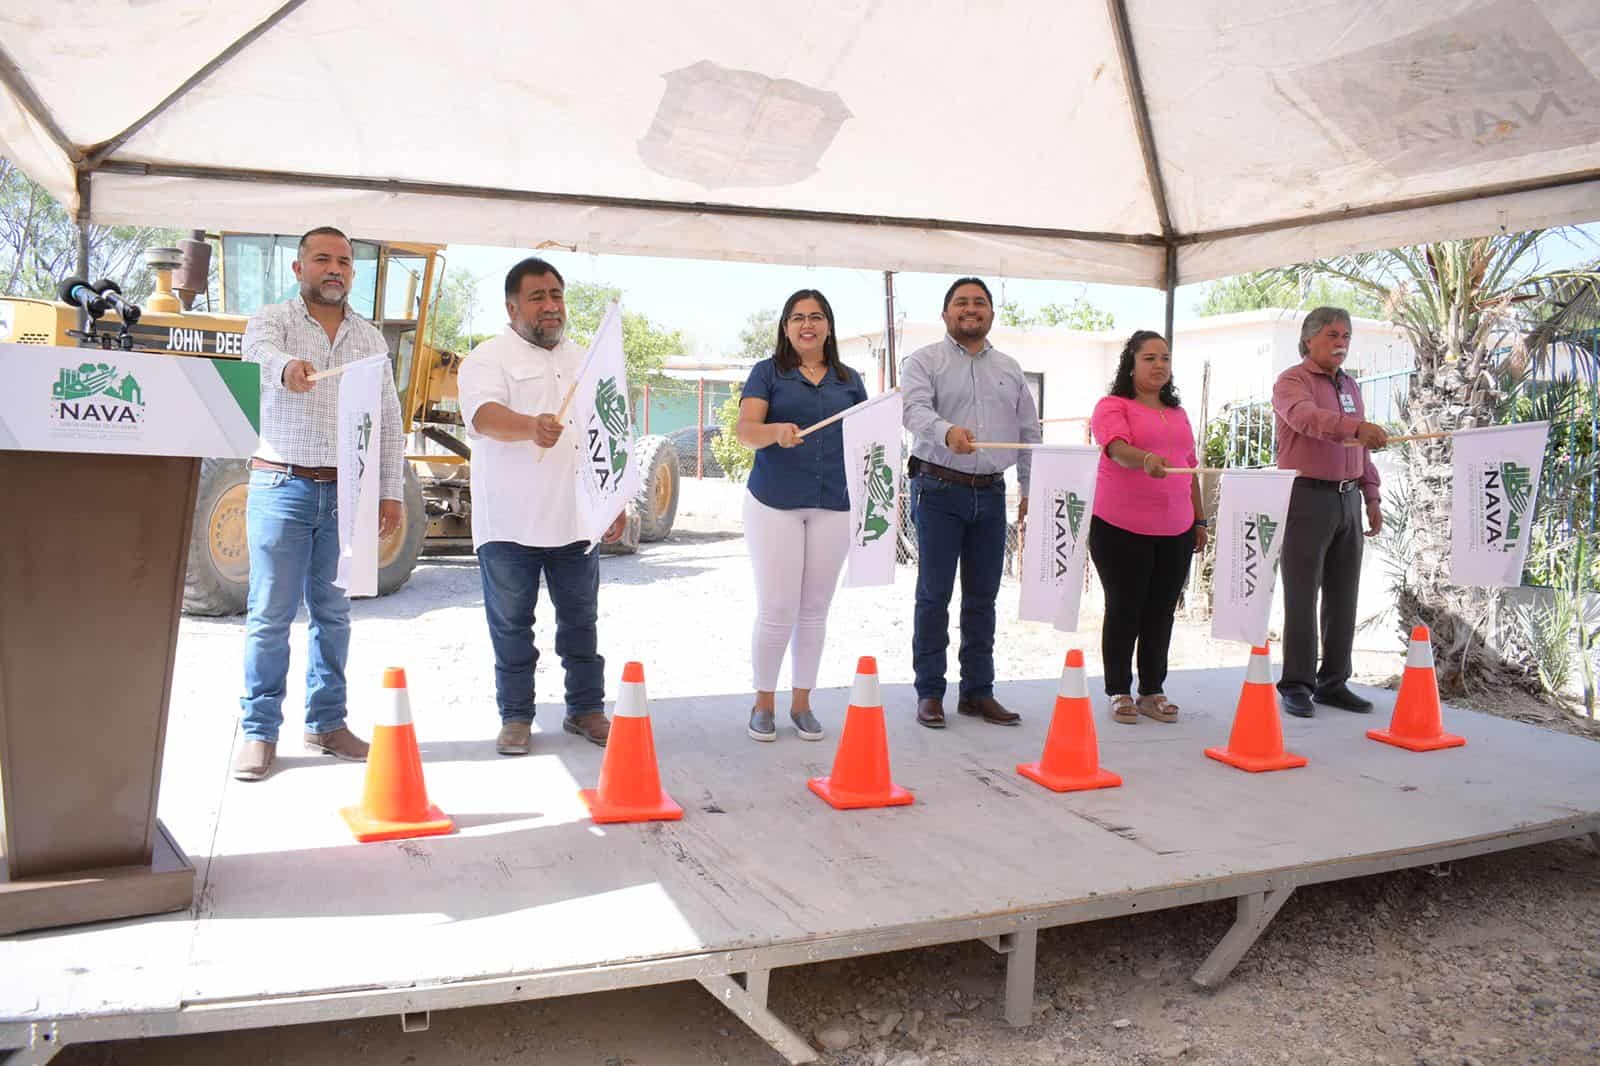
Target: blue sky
x,y
710,300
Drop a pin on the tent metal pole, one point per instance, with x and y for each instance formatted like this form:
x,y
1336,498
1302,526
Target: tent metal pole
x,y
888,327
1172,287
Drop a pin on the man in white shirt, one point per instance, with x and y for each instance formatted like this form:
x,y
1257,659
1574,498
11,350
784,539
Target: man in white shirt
x,y
292,516
525,510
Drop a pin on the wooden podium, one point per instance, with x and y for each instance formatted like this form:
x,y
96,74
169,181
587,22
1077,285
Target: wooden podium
x,y
92,569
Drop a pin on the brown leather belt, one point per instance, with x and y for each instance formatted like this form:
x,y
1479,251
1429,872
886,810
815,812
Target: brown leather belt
x,y
958,477
310,473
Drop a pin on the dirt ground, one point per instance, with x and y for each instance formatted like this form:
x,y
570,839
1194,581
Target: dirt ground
x,y
1490,960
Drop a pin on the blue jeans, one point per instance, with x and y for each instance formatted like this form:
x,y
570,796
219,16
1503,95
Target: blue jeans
x,y
511,591
956,524
293,527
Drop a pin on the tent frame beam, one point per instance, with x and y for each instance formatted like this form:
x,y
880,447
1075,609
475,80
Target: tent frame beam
x,y
17,84
420,188
99,153
1122,30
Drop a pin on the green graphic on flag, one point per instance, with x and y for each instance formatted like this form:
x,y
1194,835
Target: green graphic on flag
x,y
877,478
1518,483
1266,528
611,407
1075,509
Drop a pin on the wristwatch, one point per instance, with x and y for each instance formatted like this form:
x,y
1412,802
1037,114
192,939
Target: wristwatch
x,y
1199,521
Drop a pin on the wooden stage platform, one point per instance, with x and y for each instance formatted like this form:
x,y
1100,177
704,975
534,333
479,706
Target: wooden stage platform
x,y
296,923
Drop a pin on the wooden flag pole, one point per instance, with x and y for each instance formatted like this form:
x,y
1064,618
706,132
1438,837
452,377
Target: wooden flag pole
x,y
831,419
332,373
1406,437
561,414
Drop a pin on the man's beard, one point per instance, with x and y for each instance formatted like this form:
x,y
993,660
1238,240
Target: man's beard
x,y
544,336
314,294
971,331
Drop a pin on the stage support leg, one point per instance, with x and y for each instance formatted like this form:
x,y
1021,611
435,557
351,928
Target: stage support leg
x,y
1021,950
44,1044
749,1001
1594,842
1256,910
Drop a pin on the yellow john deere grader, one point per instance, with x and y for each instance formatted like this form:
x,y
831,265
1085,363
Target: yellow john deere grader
x,y
397,288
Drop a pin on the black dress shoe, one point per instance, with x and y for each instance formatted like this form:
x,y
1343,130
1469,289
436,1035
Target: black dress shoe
x,y
930,712
989,709
1296,701
1340,696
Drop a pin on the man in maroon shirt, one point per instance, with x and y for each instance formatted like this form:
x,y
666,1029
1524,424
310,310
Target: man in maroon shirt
x,y
1318,410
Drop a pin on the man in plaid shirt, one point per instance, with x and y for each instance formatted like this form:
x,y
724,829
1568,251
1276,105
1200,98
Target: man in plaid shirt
x,y
292,517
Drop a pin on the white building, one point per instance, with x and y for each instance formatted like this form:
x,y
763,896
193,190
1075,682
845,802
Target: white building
x,y
1217,360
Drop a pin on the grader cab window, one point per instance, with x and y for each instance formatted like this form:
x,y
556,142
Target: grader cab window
x,y
257,270
402,287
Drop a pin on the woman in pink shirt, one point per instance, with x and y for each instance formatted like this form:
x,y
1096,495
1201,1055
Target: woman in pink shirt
x,y
1147,525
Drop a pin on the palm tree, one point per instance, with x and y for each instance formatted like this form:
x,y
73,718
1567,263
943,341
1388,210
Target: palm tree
x,y
1479,314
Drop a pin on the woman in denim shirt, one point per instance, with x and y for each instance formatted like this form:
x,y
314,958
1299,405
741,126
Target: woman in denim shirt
x,y
797,509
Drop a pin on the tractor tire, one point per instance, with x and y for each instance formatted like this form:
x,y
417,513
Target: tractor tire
x,y
398,552
657,501
218,577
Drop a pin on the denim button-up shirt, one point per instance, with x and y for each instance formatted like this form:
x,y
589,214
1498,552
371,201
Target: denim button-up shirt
x,y
811,475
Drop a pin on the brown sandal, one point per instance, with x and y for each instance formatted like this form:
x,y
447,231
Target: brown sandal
x,y
1156,706
1122,710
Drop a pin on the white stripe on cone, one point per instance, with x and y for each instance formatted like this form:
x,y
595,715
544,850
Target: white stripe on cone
x,y
631,701
1420,653
1073,684
864,693
394,708
1260,670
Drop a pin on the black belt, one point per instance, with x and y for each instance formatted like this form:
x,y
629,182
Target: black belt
x,y
1333,486
956,477
310,473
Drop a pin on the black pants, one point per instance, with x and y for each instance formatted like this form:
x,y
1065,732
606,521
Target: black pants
x,y
1322,542
1143,577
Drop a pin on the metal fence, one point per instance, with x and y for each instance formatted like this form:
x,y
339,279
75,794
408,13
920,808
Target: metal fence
x,y
1246,433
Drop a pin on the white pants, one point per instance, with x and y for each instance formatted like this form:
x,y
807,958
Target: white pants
x,y
796,556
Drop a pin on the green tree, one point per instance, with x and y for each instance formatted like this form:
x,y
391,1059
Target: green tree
x,y
1475,312
1079,314
1254,292
646,346
735,458
758,336
39,244
1011,313
452,321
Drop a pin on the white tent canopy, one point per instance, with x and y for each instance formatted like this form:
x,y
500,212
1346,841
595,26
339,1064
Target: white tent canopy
x,y
1136,142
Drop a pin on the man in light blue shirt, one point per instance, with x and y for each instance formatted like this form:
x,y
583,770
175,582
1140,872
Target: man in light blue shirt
x,y
959,392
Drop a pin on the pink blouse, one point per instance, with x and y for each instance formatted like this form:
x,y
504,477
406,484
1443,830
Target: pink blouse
x,y
1131,499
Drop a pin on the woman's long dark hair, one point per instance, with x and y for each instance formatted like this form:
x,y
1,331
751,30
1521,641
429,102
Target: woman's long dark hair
x,y
785,355
1122,384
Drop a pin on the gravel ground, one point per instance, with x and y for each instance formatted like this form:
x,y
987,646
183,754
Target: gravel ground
x,y
1492,960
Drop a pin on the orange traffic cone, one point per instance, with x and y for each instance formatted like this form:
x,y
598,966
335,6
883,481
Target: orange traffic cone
x,y
394,802
1416,725
630,785
860,775
1071,759
1256,743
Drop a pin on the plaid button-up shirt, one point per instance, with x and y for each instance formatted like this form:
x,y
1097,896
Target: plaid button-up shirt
x,y
301,428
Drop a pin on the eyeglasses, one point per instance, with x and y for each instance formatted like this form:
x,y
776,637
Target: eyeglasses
x,y
815,318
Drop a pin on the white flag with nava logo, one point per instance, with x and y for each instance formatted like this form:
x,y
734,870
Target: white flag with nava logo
x,y
871,471
608,474
1055,543
1251,513
1491,514
360,409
